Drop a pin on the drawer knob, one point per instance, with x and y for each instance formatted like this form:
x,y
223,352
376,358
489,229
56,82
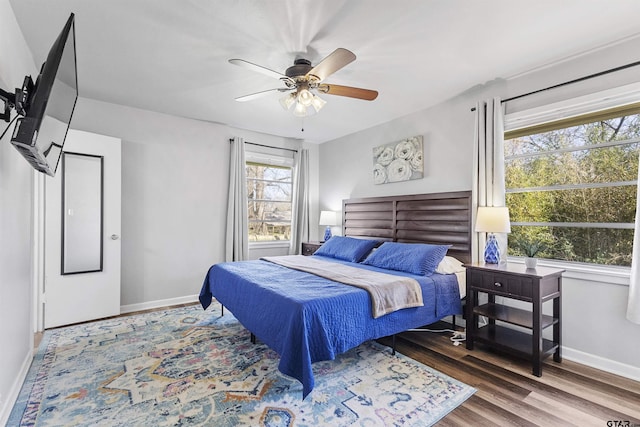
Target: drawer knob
x,y
497,284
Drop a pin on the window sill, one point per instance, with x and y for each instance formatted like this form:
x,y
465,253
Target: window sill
x,y
585,272
273,244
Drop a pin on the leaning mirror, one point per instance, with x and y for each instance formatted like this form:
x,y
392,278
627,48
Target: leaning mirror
x,y
82,185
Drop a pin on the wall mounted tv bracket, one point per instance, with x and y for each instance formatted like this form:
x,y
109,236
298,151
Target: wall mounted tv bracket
x,y
19,100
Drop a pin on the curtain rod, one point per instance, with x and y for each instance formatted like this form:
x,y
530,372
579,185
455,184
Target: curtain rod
x,y
590,76
266,146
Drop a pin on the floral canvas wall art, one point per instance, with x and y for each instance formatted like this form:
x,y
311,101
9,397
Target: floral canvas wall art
x,y
398,161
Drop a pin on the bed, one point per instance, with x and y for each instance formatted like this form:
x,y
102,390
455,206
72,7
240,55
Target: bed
x,y
307,318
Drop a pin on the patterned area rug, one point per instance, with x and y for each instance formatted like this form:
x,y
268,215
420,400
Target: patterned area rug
x,y
187,366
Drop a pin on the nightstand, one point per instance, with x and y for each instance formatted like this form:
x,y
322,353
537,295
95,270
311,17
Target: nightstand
x,y
308,248
534,286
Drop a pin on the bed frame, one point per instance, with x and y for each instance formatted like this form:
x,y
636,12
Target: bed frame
x,y
436,218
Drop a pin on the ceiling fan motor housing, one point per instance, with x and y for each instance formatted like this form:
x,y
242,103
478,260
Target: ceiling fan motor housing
x,y
299,68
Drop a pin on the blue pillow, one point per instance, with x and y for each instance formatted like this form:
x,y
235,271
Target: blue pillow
x,y
346,248
415,258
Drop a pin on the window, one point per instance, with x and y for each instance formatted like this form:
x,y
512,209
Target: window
x,y
269,190
571,185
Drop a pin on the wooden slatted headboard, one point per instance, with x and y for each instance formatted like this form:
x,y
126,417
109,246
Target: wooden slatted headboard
x,y
437,218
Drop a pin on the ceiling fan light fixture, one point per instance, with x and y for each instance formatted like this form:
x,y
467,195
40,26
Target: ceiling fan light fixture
x,y
317,103
288,100
305,97
300,110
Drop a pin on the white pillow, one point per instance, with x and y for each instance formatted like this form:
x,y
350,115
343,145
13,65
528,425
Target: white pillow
x,y
449,265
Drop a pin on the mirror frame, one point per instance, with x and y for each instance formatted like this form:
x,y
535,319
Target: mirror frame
x,y
64,210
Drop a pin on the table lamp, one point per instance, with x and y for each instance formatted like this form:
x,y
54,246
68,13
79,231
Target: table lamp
x,y
328,218
492,219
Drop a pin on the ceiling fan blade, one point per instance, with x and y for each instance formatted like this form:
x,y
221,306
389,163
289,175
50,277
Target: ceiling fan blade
x,y
351,92
332,63
260,94
258,68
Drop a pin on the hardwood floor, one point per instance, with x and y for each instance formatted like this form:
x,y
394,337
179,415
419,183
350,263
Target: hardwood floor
x,y
567,394
508,393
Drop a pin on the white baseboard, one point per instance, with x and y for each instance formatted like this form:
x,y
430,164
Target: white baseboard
x,y
158,304
607,365
8,401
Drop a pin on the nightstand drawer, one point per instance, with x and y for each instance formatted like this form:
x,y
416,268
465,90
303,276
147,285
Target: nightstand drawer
x,y
308,248
504,284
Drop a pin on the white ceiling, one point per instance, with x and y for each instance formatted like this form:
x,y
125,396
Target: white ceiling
x,y
171,56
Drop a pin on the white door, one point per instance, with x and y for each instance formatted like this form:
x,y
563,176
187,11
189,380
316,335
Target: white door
x,y
84,284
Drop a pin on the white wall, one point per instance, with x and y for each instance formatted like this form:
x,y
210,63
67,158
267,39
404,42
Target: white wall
x,y
595,330
346,164
16,338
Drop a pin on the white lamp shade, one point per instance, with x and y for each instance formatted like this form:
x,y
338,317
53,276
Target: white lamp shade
x,y
305,97
300,110
328,218
287,101
493,219
317,103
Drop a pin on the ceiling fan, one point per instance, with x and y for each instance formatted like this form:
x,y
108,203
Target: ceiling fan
x,y
302,79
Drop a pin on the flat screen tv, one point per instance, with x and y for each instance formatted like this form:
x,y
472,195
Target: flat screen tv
x,y
48,105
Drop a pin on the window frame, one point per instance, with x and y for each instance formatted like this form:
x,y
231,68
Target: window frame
x,y
621,100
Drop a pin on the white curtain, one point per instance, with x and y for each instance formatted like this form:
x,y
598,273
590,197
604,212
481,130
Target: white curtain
x,y
237,238
633,305
300,227
488,169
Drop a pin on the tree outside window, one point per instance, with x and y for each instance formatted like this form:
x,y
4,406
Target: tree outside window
x,y
573,190
269,190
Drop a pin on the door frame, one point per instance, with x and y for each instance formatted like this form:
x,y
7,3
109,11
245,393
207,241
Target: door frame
x,y
37,258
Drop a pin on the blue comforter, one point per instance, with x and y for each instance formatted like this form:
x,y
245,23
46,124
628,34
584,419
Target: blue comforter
x,y
306,318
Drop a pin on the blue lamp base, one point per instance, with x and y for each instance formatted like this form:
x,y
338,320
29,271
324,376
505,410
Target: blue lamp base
x,y
491,250
327,233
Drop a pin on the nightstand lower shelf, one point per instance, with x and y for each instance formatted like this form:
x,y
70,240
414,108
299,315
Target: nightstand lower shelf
x,y
512,315
512,341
